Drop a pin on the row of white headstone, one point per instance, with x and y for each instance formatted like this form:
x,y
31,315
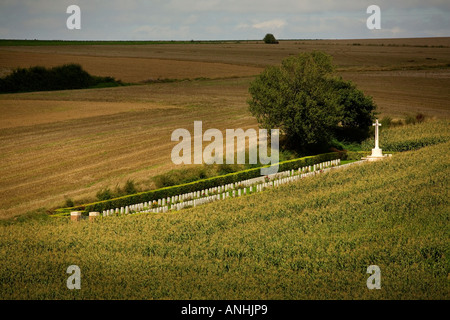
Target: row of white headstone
x,y
193,199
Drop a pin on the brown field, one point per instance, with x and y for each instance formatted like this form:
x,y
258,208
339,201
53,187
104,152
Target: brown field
x,y
128,69
73,143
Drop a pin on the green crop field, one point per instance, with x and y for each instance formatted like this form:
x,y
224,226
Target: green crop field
x,y
312,239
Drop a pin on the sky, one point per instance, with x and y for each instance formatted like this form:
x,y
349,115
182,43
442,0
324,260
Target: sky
x,y
222,20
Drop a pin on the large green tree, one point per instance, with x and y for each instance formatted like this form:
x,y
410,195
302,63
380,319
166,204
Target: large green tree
x,y
309,103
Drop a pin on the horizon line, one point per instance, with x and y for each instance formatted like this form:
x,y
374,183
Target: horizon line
x,y
214,40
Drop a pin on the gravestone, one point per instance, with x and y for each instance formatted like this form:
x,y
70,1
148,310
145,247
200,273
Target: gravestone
x,y
75,216
93,215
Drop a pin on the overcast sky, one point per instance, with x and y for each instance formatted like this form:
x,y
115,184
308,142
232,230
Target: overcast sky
x,y
222,20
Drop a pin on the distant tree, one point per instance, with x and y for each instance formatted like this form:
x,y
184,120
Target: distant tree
x,y
270,38
308,102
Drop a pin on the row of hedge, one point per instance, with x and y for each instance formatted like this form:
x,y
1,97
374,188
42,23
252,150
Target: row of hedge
x,y
198,185
65,77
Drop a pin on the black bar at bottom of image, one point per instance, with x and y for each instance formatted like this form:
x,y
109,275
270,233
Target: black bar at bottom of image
x,y
223,309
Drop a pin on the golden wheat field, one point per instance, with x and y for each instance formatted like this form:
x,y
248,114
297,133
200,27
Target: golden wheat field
x,y
70,144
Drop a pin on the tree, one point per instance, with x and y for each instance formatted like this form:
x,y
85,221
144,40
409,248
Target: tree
x,y
307,101
357,114
270,38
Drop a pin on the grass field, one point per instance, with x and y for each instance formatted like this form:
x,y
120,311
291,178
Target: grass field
x,y
71,144
313,239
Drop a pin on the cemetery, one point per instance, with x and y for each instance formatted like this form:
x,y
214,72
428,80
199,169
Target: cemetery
x,y
223,192
232,190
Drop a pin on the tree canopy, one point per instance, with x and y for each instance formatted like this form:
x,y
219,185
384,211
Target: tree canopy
x,y
270,38
309,103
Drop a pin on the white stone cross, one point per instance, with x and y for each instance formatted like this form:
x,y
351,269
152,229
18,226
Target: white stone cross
x,y
376,125
377,152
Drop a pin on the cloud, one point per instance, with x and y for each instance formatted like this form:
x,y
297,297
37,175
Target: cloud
x,y
270,24
219,19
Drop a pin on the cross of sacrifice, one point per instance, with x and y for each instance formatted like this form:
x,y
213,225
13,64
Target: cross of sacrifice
x,y
377,153
376,125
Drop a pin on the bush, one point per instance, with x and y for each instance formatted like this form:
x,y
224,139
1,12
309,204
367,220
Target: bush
x,y
68,76
410,119
69,203
129,187
181,176
105,194
225,169
386,122
270,39
420,117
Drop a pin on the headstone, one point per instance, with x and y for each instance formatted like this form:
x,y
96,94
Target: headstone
x,y
75,216
93,215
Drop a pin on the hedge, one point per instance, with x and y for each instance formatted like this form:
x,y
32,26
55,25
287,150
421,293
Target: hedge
x,y
68,76
199,185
